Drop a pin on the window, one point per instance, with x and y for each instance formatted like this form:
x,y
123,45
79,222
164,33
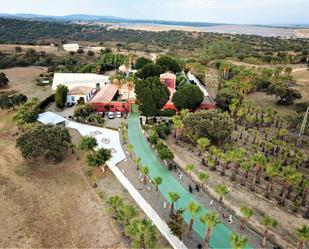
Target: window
x,y
72,98
97,85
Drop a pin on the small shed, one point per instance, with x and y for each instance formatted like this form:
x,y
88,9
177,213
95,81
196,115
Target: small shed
x,y
51,118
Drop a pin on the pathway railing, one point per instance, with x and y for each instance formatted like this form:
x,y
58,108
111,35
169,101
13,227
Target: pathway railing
x,y
148,210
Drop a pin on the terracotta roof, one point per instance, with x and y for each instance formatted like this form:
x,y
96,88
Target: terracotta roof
x,y
80,90
168,76
106,94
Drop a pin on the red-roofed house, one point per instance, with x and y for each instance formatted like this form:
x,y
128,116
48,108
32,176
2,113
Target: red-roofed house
x,y
106,100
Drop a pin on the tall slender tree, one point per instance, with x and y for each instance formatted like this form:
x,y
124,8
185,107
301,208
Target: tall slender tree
x,y
238,241
193,208
211,219
269,224
174,197
246,215
302,234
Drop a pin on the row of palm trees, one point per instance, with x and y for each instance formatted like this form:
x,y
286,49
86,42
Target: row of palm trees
x,y
211,220
256,166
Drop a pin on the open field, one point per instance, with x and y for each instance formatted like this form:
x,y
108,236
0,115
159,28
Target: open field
x,y
22,79
302,79
10,48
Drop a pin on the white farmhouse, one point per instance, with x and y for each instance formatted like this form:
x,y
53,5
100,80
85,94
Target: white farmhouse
x,y
71,47
82,93
72,80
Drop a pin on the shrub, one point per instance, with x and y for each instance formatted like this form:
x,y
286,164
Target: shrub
x,y
167,113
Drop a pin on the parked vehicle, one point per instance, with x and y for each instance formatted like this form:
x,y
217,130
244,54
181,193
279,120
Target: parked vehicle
x,y
118,115
70,104
110,115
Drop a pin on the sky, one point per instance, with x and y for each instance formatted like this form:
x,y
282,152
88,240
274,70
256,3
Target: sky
x,y
222,11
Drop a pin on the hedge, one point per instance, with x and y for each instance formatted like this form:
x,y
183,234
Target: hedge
x,y
166,113
42,105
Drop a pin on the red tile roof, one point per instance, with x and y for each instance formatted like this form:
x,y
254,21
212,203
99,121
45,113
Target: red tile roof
x,y
106,94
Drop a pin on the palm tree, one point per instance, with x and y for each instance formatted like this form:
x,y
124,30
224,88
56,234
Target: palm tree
x,y
130,85
115,202
193,208
130,149
178,125
175,223
246,167
203,177
302,235
259,160
145,172
238,241
137,161
126,213
222,190
272,170
268,223
157,181
211,220
237,156
203,143
246,213
189,168
142,233
290,177
174,197
305,191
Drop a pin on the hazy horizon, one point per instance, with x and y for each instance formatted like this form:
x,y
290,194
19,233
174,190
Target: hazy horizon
x,y
263,12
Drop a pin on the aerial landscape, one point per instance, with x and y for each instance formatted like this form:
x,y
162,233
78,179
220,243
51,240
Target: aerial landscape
x,y
154,124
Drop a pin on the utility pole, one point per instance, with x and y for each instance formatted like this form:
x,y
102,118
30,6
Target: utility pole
x,y
302,129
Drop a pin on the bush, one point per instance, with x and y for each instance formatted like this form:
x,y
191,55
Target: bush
x,y
162,130
167,113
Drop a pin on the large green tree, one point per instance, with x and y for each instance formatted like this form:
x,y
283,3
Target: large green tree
x,y
151,95
188,97
61,95
50,141
87,143
167,63
149,70
209,123
286,94
142,61
225,98
99,157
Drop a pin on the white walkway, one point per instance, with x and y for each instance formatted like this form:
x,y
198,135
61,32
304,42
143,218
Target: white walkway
x,y
106,138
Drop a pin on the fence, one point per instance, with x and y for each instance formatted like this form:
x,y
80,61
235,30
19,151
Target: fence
x,y
148,210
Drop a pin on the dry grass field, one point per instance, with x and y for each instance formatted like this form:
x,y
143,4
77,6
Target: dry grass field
x,y
22,79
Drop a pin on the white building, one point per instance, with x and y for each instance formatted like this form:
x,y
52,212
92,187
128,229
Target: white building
x,y
72,80
71,47
82,93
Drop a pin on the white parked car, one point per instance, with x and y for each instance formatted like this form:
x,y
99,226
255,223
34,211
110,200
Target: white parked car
x,y
110,115
118,115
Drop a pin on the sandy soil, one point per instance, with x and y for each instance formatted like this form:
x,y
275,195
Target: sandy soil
x,y
231,29
238,196
22,79
302,79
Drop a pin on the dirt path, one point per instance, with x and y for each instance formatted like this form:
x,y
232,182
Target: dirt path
x,y
238,196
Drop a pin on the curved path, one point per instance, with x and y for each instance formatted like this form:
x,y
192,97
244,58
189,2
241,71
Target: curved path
x,y
221,234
